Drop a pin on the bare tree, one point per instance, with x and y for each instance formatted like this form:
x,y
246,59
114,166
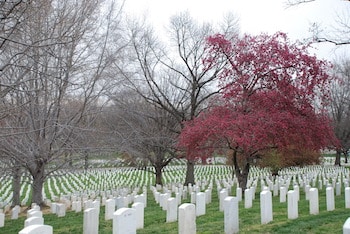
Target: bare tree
x,y
340,32
11,15
12,12
61,68
142,131
340,108
173,73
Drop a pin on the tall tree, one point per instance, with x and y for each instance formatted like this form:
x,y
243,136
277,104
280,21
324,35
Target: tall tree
x,y
143,132
173,73
270,91
11,14
63,59
340,108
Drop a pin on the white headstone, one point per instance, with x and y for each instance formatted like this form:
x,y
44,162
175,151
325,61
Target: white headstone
x,y
34,213
314,206
283,194
292,197
78,207
53,207
347,197
36,229
163,200
178,198
124,221
266,207
320,185
223,195
103,201
252,191
193,198
200,204
109,209
143,197
346,227
338,189
14,212
297,191
207,196
91,221
231,215
156,197
330,198
187,219
2,219
96,204
248,199
307,192
126,201
139,213
61,209
239,193
74,205
275,189
120,202
33,220
171,213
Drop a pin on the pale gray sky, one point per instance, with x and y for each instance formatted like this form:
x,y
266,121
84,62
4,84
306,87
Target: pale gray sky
x,y
255,15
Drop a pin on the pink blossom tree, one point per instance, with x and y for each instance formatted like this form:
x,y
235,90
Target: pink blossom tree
x,y
273,98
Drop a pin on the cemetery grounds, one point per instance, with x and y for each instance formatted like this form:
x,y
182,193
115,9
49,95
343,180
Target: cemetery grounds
x,y
103,182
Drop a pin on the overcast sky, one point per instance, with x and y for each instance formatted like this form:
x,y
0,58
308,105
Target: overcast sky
x,y
255,16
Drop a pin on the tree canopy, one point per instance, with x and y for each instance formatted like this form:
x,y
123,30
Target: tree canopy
x,y
273,97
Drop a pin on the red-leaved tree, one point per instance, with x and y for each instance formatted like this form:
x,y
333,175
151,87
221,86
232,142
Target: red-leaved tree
x,y
273,94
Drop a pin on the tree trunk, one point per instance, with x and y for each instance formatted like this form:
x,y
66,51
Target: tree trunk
x,y
159,175
189,173
233,171
337,157
345,156
16,185
37,185
242,175
86,159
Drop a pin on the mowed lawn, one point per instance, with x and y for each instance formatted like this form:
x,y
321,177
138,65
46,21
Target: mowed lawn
x,y
213,221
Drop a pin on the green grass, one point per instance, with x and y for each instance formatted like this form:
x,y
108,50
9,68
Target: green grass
x,y
213,221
